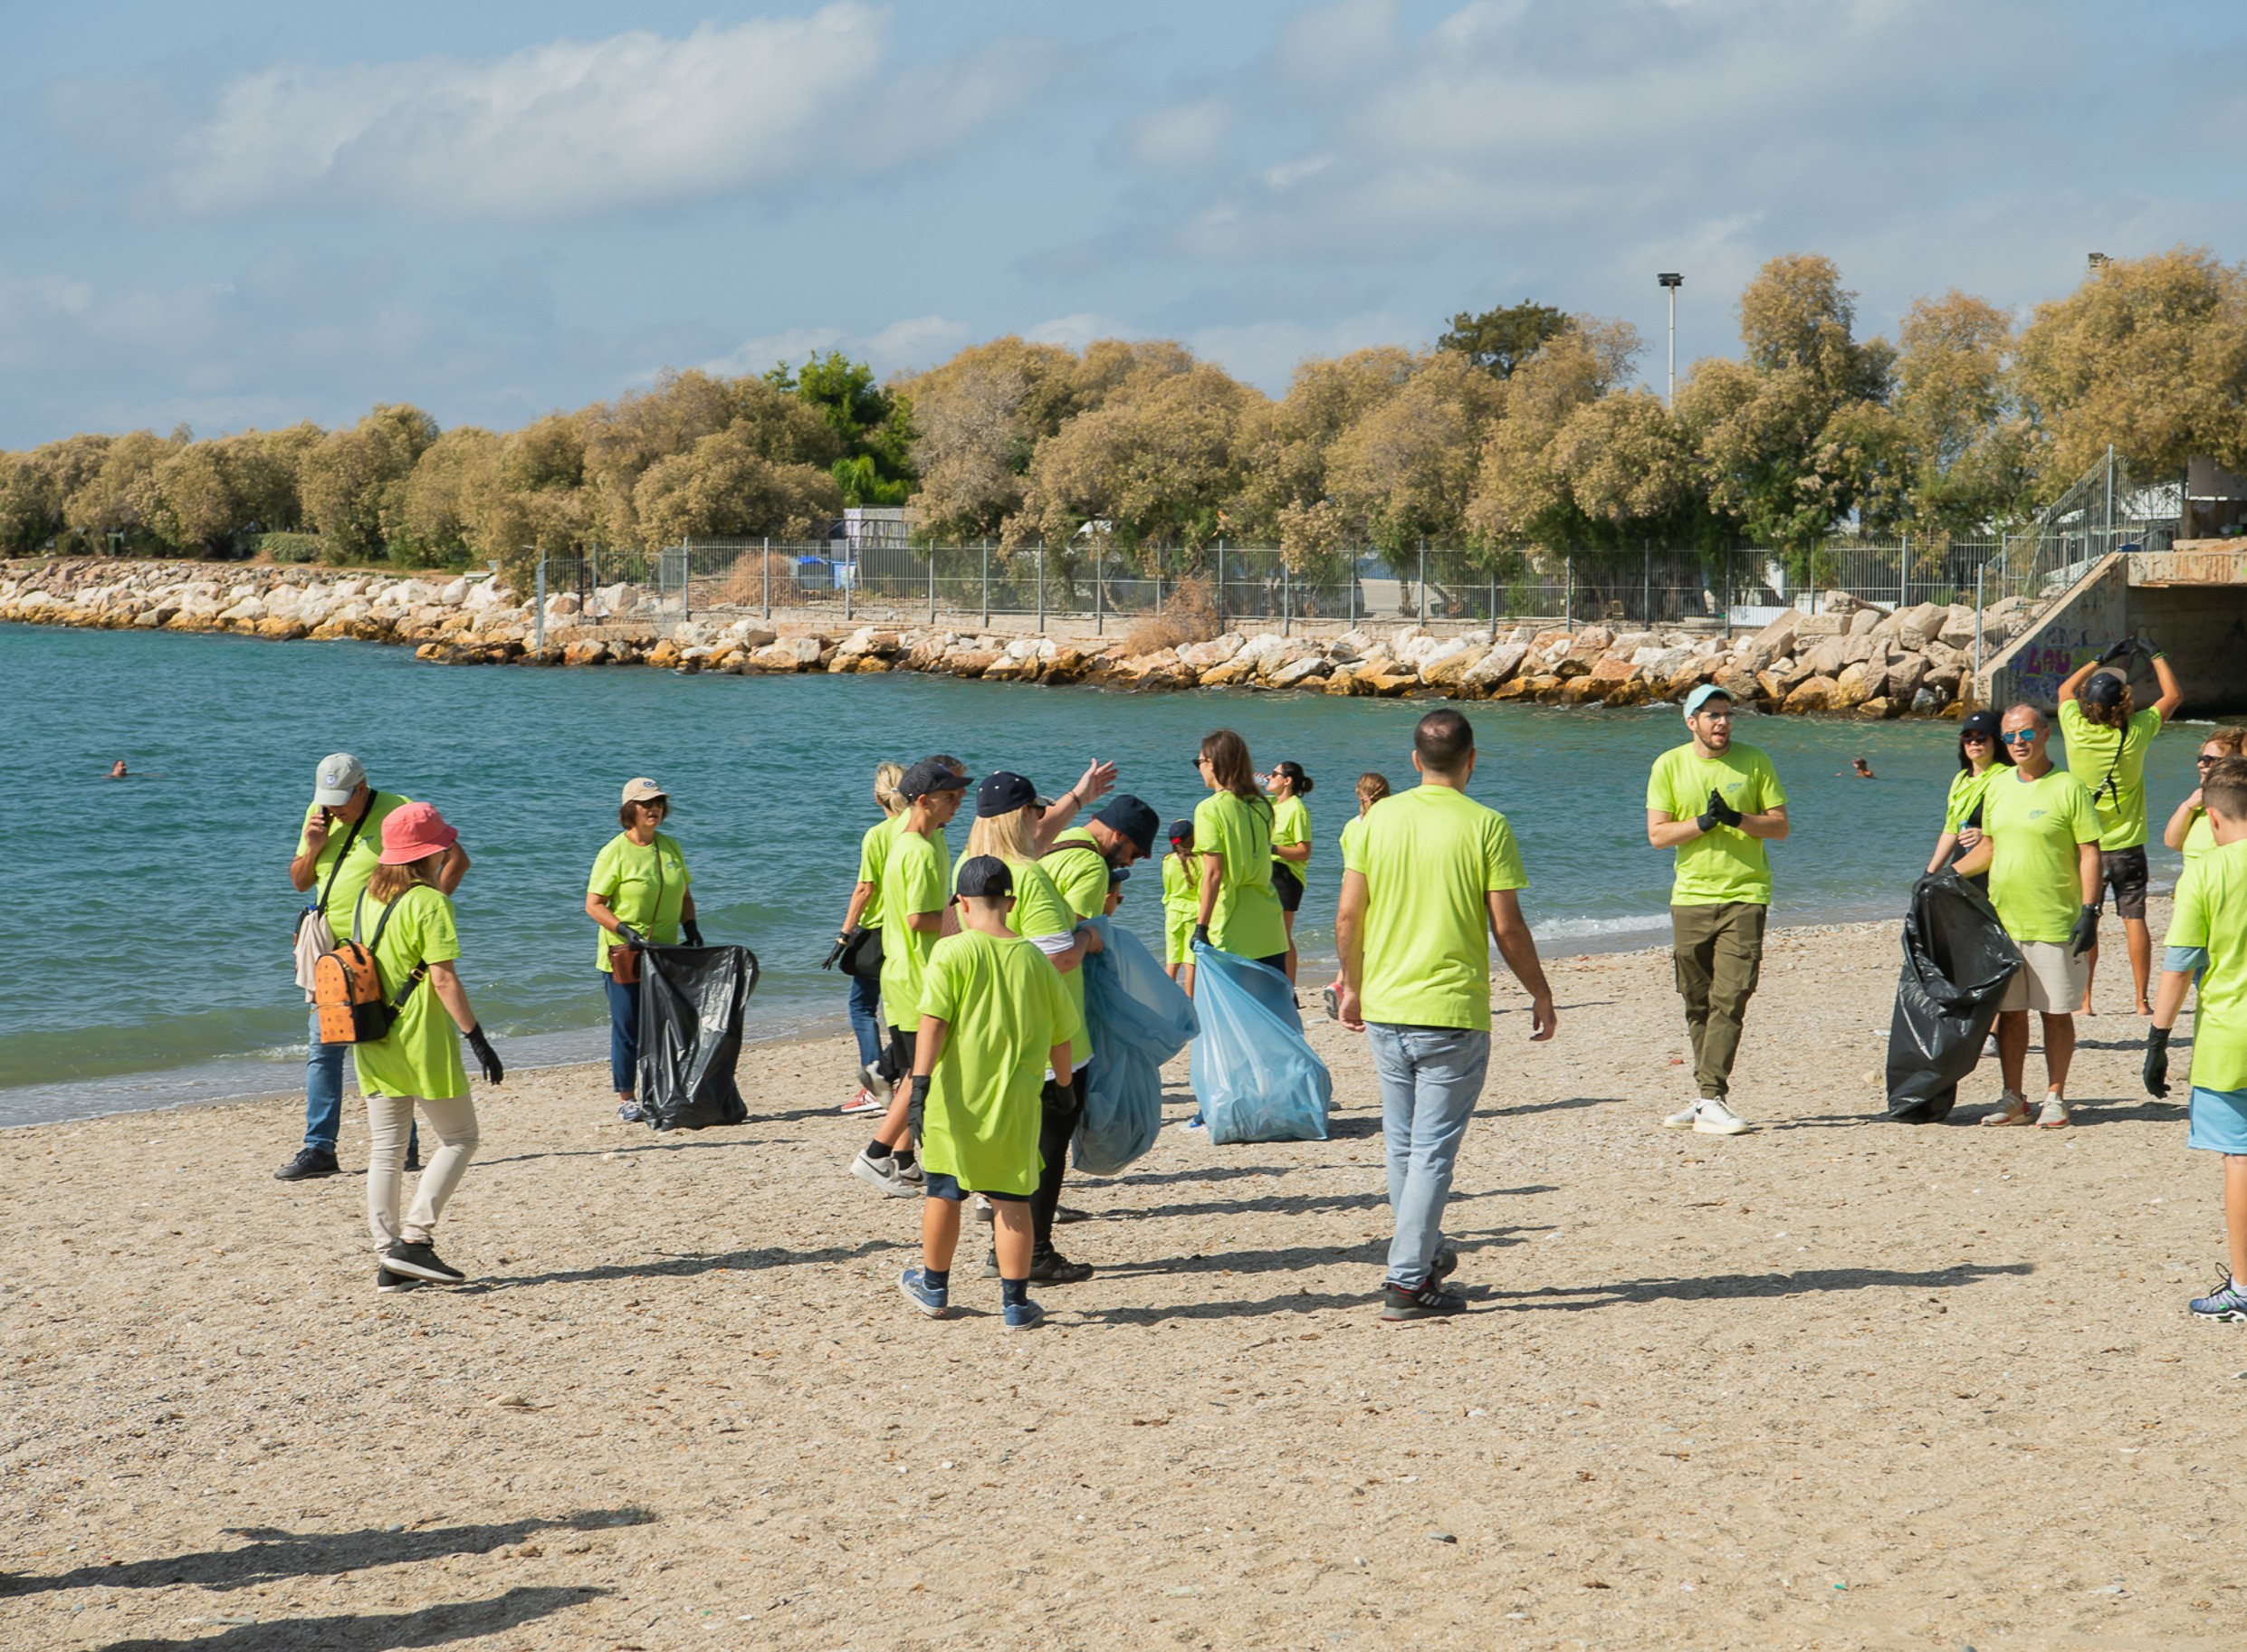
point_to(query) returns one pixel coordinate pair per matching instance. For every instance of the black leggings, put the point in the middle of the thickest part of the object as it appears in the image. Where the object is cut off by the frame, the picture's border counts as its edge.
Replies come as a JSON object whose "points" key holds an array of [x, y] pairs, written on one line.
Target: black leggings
{"points": [[1063, 1106]]}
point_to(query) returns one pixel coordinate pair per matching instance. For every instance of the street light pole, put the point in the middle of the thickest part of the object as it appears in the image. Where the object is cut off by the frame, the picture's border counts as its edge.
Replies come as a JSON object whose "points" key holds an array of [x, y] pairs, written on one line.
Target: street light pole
{"points": [[1670, 283]]}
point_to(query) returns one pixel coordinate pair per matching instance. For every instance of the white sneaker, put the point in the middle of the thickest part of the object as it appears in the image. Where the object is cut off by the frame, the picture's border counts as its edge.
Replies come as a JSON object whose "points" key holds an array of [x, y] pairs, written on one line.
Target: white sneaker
{"points": [[1713, 1118], [1683, 1118], [876, 1085], [881, 1174], [2054, 1113]]}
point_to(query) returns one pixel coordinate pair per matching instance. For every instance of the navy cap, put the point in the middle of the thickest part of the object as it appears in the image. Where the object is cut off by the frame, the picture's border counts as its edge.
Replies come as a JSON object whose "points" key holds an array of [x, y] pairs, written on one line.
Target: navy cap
{"points": [[1003, 793], [986, 876], [1119, 875], [2104, 688], [926, 775], [1181, 830], [1135, 820], [1985, 724]]}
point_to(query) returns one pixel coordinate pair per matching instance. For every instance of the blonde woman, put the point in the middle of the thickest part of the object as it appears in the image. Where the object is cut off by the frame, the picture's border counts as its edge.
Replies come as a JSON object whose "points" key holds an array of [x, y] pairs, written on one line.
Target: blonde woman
{"points": [[1007, 825], [2187, 831], [1371, 788], [865, 912], [406, 921]]}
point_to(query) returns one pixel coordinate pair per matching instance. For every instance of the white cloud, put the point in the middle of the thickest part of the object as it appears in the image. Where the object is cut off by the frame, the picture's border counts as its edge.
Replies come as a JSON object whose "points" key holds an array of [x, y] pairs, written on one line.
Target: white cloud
{"points": [[1182, 136], [1079, 330], [570, 127], [917, 341], [1333, 43]]}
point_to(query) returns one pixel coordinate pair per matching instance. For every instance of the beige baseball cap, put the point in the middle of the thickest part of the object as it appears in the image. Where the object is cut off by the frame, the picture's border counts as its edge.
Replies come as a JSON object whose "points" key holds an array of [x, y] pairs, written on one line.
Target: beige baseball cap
{"points": [[644, 790]]}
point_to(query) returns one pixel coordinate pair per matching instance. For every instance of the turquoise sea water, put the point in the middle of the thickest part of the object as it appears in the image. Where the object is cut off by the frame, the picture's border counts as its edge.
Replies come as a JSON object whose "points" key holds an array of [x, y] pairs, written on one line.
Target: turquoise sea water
{"points": [[147, 956]]}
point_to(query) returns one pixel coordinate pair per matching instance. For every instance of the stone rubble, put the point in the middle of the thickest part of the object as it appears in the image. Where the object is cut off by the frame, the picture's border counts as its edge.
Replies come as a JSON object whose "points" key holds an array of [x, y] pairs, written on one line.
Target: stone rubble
{"points": [[1849, 657]]}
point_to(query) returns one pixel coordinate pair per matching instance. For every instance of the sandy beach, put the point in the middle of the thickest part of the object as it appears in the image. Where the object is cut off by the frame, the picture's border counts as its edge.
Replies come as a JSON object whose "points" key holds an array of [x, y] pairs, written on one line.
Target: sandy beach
{"points": [[1835, 1384]]}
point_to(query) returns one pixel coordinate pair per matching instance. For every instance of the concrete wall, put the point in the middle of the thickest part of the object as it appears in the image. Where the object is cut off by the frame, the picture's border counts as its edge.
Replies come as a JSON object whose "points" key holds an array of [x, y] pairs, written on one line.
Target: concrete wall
{"points": [[2203, 627]]}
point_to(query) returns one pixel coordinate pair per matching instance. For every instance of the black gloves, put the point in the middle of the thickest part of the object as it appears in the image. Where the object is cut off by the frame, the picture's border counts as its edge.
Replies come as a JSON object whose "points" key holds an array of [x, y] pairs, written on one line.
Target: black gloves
{"points": [[2119, 651], [2085, 935], [693, 931], [487, 1057], [1719, 813], [836, 950], [917, 1104], [2156, 1061], [632, 936], [1202, 935]]}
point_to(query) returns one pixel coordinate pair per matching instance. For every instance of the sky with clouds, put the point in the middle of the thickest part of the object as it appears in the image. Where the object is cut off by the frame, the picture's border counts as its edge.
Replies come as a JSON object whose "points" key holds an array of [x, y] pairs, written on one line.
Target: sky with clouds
{"points": [[250, 213]]}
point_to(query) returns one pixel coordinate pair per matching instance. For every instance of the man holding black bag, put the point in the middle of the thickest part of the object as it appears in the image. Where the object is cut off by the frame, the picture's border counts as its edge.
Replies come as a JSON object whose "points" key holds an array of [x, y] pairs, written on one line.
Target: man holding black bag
{"points": [[339, 846]]}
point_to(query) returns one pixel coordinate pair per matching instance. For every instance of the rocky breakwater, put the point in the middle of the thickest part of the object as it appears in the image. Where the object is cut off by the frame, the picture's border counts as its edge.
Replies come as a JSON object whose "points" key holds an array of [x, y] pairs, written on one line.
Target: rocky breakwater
{"points": [[1849, 657]]}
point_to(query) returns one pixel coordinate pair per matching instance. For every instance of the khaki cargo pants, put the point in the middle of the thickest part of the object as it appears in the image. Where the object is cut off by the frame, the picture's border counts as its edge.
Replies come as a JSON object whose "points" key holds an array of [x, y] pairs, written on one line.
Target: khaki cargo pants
{"points": [[1719, 955]]}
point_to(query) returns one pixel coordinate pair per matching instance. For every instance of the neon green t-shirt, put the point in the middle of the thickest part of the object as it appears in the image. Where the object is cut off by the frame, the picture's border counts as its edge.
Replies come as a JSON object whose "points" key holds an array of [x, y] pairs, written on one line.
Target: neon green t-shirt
{"points": [[420, 1054], [2034, 828], [1291, 824], [1350, 830], [1181, 899], [2112, 764], [2199, 837], [1079, 871], [364, 857], [873, 850], [1039, 913], [1429, 857], [1246, 920], [1005, 1010], [912, 884], [1966, 790], [2212, 911], [1725, 864], [644, 885]]}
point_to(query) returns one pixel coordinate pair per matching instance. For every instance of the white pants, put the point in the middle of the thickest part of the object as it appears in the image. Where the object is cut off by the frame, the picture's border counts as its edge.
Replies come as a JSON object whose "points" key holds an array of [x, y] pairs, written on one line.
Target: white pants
{"points": [[388, 1118]]}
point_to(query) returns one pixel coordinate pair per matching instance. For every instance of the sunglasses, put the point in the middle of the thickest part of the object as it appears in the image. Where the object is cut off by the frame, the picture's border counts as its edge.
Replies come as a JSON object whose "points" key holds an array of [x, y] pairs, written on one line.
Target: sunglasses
{"points": [[1974, 737], [2203, 760], [2020, 736]]}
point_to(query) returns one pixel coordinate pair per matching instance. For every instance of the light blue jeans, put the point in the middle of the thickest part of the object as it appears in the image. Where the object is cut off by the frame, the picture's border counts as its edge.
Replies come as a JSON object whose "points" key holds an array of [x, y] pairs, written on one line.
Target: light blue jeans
{"points": [[323, 1090], [1430, 1079]]}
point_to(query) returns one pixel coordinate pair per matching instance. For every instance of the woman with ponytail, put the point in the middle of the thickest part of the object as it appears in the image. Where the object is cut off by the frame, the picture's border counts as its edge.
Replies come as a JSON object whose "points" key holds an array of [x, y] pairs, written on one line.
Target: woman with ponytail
{"points": [[1239, 910]]}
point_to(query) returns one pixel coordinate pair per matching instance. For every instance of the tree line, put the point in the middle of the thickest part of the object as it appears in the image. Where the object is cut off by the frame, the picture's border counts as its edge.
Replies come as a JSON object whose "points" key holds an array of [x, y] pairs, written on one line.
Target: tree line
{"points": [[1521, 430]]}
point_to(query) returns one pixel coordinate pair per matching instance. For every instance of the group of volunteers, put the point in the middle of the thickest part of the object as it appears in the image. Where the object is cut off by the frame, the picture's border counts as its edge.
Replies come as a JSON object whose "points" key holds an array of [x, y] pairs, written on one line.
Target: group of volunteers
{"points": [[976, 1054]]}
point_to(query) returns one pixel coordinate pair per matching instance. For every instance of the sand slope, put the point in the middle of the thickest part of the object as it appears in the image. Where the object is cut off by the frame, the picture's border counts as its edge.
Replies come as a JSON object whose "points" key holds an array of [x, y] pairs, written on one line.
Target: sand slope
{"points": [[1837, 1384]]}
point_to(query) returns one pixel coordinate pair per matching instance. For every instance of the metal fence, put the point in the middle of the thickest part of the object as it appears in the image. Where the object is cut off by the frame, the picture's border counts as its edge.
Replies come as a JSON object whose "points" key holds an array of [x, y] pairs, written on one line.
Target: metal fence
{"points": [[831, 582]]}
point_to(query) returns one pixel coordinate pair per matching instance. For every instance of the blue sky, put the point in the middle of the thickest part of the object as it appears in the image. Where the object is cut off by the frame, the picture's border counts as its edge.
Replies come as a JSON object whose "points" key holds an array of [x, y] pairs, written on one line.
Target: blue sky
{"points": [[249, 214]]}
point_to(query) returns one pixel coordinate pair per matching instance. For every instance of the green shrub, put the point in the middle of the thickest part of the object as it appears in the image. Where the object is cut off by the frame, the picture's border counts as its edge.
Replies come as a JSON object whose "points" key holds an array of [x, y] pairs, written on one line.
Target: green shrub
{"points": [[291, 547]]}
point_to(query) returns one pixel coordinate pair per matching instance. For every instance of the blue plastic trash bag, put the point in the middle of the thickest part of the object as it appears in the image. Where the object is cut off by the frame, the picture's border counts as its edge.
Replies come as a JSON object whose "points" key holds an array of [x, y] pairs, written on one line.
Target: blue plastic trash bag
{"points": [[1138, 1019], [1252, 1072]]}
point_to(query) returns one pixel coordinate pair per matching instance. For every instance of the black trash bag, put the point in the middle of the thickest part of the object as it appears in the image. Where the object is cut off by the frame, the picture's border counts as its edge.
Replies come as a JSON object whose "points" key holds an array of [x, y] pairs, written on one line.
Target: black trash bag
{"points": [[691, 1004], [1957, 963]]}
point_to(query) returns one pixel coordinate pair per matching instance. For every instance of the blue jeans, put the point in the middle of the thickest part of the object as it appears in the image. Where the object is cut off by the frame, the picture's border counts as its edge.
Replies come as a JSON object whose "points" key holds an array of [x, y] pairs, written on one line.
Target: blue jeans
{"points": [[323, 1090], [623, 1035], [323, 1094], [1430, 1078], [865, 1019]]}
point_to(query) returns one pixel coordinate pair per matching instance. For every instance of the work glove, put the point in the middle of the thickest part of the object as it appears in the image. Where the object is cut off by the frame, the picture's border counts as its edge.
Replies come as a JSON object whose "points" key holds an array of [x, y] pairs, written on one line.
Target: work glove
{"points": [[2119, 651], [1719, 813], [487, 1057], [917, 1104], [2156, 1061], [632, 936], [2085, 935], [693, 931], [1202, 935]]}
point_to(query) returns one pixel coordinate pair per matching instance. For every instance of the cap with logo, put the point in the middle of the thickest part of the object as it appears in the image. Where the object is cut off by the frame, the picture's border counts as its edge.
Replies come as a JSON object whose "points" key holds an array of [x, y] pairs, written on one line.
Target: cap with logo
{"points": [[641, 789], [984, 876], [1135, 820], [926, 775], [337, 777], [1181, 830], [1985, 724], [1002, 793]]}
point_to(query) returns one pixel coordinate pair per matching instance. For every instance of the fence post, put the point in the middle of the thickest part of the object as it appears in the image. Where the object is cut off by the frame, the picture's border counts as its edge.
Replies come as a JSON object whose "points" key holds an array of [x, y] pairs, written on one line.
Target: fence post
{"points": [[1041, 589], [1221, 585], [850, 581], [1903, 572], [537, 612], [1286, 602], [1978, 572], [986, 585], [1645, 597], [931, 582], [2107, 544], [1423, 582], [767, 558], [1568, 588], [1493, 615], [1099, 620], [1351, 578], [686, 579]]}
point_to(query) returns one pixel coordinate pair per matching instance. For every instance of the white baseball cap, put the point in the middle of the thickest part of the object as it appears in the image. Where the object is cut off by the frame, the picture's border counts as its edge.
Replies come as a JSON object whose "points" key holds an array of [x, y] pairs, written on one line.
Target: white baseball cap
{"points": [[644, 790], [337, 776]]}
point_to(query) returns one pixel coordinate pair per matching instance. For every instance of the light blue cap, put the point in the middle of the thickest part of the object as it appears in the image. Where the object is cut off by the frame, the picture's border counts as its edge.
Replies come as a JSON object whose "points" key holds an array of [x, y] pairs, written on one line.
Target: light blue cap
{"points": [[1703, 694]]}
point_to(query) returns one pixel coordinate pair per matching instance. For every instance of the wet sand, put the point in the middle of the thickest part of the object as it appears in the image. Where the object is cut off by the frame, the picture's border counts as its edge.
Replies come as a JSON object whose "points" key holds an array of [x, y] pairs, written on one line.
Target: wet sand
{"points": [[1836, 1384]]}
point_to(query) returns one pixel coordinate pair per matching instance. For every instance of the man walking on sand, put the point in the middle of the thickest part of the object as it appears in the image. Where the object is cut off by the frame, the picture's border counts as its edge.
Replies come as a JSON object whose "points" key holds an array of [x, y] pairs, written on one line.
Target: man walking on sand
{"points": [[1716, 803], [2039, 845], [1427, 876]]}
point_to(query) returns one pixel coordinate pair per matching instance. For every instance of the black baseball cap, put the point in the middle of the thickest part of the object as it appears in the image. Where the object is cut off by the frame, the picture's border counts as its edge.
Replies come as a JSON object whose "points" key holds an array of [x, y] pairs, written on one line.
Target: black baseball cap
{"points": [[1985, 724], [985, 876], [1182, 829], [1002, 793], [1135, 820], [1119, 875], [2104, 688], [926, 775]]}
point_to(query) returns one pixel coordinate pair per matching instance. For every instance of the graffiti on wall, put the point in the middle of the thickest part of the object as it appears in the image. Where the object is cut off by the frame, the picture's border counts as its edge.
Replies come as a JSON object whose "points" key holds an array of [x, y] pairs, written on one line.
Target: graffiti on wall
{"points": [[2056, 653]]}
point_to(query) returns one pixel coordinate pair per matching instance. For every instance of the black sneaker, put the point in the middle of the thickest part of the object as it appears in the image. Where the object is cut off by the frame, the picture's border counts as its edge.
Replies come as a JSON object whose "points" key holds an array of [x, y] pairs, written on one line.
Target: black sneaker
{"points": [[1065, 1215], [1431, 1301], [413, 1159], [1054, 1268], [420, 1261], [388, 1281], [308, 1163]]}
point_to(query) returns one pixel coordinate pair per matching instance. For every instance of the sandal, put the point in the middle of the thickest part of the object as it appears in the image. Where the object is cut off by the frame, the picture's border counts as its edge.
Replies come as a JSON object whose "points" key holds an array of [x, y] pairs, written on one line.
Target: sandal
{"points": [[2016, 1112]]}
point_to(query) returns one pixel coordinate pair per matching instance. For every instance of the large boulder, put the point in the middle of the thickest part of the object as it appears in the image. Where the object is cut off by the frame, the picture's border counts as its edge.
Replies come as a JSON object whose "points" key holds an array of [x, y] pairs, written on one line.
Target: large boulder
{"points": [[1812, 695], [1918, 626], [1856, 683], [1957, 631], [1298, 674], [1494, 668], [1820, 626], [1905, 676], [1226, 674]]}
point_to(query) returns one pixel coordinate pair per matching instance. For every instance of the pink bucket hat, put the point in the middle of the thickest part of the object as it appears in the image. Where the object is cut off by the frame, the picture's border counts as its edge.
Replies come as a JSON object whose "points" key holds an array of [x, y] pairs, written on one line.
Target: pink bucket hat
{"points": [[414, 833]]}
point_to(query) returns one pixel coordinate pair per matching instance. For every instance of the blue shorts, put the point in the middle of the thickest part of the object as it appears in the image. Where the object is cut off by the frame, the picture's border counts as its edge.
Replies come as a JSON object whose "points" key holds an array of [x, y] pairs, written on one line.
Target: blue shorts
{"points": [[2219, 1120], [941, 1185]]}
